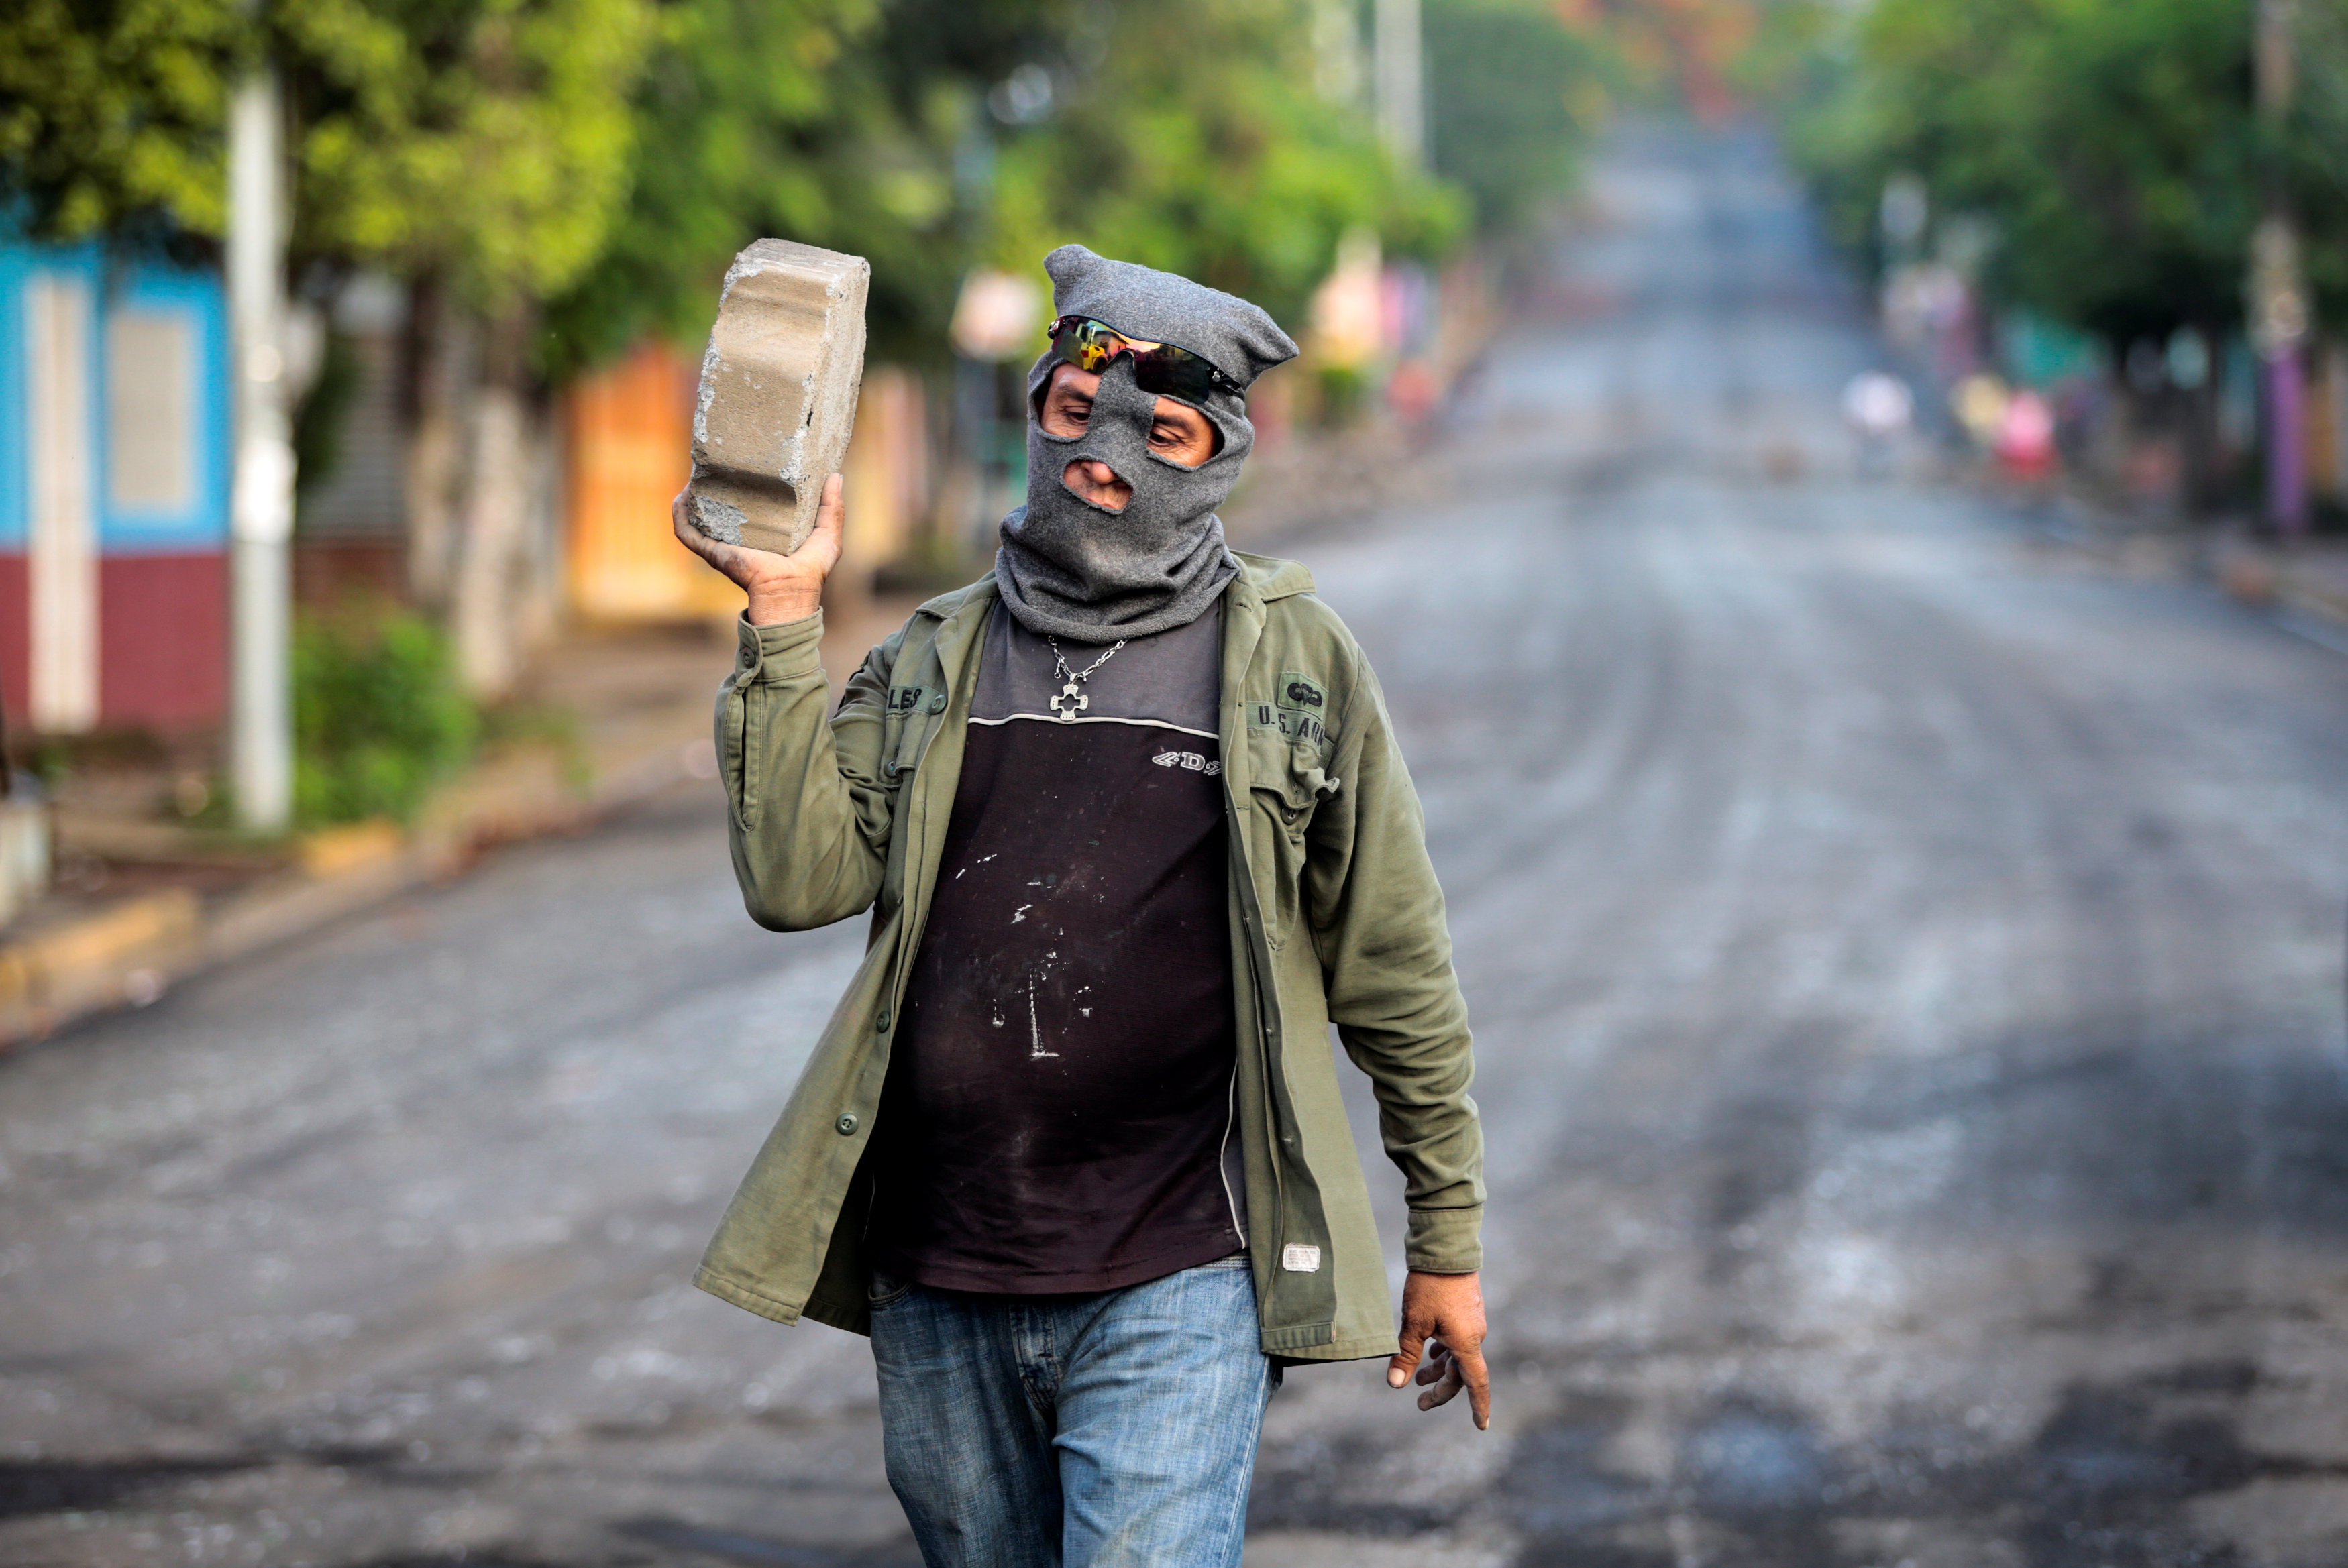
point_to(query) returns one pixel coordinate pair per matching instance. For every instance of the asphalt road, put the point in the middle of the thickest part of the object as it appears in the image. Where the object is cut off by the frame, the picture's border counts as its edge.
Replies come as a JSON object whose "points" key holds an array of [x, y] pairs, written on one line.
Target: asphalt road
{"points": [[1906, 953]]}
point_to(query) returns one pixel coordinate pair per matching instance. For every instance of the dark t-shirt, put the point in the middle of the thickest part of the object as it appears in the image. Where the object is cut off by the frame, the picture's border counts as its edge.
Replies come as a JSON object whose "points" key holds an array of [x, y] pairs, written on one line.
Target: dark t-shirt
{"points": [[1060, 1110]]}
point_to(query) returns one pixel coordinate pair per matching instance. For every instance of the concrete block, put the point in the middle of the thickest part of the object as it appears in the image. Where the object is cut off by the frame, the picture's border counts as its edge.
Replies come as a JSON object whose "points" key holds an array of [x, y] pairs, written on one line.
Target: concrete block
{"points": [[778, 392]]}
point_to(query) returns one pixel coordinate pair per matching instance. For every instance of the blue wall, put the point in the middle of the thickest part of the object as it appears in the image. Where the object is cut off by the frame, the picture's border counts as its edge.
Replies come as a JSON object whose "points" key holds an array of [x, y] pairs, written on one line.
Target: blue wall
{"points": [[16, 264]]}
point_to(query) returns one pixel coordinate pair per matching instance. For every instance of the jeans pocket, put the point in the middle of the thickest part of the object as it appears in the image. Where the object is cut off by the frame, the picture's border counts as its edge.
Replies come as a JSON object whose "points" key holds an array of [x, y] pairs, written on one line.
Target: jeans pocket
{"points": [[885, 1290]]}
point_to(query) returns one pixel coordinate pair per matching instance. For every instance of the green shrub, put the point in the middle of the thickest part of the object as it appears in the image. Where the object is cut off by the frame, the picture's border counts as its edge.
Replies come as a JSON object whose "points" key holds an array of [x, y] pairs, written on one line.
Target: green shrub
{"points": [[378, 718]]}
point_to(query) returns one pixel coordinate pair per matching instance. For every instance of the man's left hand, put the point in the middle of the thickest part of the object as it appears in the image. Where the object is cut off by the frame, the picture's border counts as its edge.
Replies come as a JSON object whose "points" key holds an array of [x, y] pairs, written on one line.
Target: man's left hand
{"points": [[1443, 1317]]}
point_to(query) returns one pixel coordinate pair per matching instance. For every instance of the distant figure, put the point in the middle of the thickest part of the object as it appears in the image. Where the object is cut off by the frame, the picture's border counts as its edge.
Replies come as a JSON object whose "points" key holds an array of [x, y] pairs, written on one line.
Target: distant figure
{"points": [[1134, 830], [2026, 436], [1411, 391], [1978, 402], [1879, 407]]}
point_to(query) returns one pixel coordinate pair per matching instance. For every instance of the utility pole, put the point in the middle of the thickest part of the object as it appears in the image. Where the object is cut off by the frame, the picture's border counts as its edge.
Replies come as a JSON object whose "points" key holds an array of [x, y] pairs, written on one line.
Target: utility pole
{"points": [[1337, 52], [261, 497], [2278, 287], [1401, 82]]}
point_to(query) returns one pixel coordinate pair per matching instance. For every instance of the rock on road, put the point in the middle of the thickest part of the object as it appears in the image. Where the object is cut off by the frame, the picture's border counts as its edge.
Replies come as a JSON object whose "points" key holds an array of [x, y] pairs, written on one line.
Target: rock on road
{"points": [[1906, 956]]}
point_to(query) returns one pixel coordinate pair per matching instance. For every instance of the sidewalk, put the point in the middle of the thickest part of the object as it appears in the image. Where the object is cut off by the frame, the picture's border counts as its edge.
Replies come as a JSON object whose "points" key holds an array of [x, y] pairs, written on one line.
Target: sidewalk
{"points": [[143, 901], [2308, 580], [2302, 583]]}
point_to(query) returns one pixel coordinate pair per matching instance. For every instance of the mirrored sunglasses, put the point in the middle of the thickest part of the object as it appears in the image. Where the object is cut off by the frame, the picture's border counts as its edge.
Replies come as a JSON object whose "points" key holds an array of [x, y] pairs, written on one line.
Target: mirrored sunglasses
{"points": [[1158, 367]]}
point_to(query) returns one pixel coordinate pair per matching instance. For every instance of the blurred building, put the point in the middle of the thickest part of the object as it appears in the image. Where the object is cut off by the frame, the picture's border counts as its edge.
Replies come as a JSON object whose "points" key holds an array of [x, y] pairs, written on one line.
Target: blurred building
{"points": [[115, 466], [350, 535], [628, 432], [114, 476]]}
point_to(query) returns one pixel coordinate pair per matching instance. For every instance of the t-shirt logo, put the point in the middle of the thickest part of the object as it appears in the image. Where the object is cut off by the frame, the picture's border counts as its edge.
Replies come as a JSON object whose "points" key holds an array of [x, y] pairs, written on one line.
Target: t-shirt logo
{"points": [[1189, 761]]}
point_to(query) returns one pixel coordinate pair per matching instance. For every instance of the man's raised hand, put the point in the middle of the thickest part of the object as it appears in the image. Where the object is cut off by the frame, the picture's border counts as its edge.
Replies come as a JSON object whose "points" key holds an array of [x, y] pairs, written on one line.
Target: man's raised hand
{"points": [[1443, 1316], [781, 587]]}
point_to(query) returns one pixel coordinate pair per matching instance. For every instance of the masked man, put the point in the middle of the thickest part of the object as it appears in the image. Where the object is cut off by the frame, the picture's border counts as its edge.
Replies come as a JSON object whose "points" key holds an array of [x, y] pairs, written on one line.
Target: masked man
{"points": [[1130, 819]]}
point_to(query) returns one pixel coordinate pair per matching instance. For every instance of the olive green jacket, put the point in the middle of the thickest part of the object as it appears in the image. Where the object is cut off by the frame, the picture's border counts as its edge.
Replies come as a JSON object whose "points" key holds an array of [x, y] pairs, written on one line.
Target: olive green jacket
{"points": [[1335, 917]]}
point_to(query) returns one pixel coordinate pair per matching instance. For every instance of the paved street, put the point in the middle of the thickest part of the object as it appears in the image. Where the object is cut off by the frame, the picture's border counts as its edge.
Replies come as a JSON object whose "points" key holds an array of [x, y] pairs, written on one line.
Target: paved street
{"points": [[1906, 954]]}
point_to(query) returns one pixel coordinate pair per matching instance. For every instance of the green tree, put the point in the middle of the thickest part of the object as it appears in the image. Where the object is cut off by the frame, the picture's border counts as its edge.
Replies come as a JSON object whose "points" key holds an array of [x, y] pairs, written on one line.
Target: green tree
{"points": [[731, 112], [1180, 138], [2316, 152], [481, 148], [1194, 145], [485, 141], [1511, 92], [2114, 146], [2110, 142], [112, 115]]}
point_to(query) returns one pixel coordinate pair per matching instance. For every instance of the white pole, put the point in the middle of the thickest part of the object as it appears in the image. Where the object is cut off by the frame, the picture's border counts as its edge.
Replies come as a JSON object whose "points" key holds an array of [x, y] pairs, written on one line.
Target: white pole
{"points": [[1402, 117], [1337, 51], [261, 502]]}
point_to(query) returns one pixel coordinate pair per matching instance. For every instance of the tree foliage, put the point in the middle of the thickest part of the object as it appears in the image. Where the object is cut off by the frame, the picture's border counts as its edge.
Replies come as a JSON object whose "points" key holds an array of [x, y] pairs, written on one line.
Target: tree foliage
{"points": [[731, 113], [1194, 144], [932, 137], [2317, 151], [1511, 92], [2113, 145], [488, 141], [112, 115], [603, 159]]}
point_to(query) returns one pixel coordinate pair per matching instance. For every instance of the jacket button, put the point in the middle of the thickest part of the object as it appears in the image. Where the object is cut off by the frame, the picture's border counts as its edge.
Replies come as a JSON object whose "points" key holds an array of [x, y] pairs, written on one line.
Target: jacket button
{"points": [[847, 1122], [938, 704], [881, 1023]]}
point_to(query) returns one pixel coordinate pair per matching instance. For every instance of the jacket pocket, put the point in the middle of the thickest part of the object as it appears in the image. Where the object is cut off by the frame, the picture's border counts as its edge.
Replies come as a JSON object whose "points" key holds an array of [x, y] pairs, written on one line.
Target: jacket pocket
{"points": [[1287, 784], [915, 713], [903, 753]]}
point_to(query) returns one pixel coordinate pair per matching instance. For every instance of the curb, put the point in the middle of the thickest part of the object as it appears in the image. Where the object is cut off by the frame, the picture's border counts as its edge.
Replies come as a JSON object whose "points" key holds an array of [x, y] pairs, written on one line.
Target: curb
{"points": [[119, 954], [2299, 588], [128, 952], [2273, 582]]}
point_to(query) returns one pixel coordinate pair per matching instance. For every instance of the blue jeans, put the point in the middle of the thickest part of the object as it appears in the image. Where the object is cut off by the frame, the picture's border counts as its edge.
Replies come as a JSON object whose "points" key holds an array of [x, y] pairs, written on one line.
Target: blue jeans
{"points": [[1109, 1431]]}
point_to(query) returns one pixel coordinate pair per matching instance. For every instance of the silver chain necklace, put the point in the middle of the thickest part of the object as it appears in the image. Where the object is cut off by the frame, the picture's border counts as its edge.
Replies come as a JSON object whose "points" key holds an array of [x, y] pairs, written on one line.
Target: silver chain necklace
{"points": [[1068, 692]]}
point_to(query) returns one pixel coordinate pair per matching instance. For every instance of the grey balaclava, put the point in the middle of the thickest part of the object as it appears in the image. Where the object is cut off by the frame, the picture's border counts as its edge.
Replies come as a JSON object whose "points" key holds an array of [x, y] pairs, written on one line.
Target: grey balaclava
{"points": [[1070, 568]]}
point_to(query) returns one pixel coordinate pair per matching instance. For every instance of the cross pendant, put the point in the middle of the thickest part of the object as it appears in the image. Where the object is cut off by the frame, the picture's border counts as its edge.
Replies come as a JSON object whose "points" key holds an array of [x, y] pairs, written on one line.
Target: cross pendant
{"points": [[1068, 695]]}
